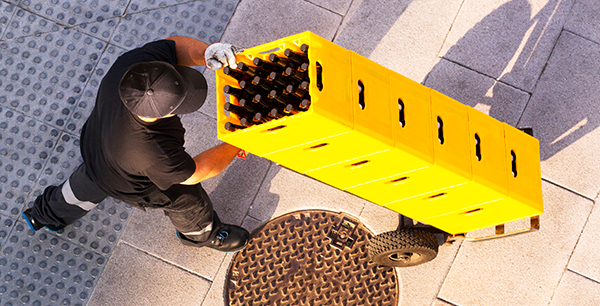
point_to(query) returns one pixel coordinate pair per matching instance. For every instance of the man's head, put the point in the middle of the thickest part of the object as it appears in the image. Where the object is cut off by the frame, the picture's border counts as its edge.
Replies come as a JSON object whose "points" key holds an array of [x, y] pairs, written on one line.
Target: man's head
{"points": [[159, 89]]}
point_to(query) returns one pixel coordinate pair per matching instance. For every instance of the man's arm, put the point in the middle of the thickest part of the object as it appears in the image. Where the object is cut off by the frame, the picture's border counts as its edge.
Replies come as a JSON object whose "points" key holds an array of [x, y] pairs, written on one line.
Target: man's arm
{"points": [[211, 162], [189, 51]]}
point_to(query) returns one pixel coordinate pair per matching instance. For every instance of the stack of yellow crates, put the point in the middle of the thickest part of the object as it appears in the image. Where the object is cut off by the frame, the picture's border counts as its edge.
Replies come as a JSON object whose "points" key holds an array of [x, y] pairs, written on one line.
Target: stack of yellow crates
{"points": [[383, 137]]}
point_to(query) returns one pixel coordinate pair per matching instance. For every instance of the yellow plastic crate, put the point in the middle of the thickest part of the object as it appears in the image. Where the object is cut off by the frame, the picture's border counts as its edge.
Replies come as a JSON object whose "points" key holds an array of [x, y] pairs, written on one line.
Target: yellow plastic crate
{"points": [[383, 137]]}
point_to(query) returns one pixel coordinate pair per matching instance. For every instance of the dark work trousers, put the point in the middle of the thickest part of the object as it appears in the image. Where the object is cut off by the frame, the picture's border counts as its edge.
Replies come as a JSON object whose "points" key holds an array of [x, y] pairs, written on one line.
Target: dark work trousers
{"points": [[188, 206]]}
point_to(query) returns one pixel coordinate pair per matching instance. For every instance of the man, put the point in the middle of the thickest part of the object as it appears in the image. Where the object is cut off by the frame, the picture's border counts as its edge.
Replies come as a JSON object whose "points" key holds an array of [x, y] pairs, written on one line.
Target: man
{"points": [[132, 146]]}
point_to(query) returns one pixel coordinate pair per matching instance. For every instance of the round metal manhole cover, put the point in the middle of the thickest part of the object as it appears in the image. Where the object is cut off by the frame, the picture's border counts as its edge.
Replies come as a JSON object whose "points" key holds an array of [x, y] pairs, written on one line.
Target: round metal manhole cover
{"points": [[310, 258]]}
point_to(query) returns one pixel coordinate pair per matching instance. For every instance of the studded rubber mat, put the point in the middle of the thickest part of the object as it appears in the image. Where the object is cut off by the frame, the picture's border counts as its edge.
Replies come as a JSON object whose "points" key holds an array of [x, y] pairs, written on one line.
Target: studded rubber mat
{"points": [[310, 258]]}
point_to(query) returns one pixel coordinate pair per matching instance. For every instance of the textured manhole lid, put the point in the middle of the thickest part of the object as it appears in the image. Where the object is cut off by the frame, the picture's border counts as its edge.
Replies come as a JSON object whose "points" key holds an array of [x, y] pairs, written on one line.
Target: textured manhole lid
{"points": [[310, 258]]}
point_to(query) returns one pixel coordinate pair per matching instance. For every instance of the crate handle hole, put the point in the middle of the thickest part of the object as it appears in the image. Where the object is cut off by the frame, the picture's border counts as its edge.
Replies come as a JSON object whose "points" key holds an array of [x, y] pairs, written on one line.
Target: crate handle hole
{"points": [[398, 180], [319, 76], [436, 196], [401, 119], [360, 163], [440, 130], [277, 128], [471, 211], [361, 94], [477, 147], [318, 146], [513, 158]]}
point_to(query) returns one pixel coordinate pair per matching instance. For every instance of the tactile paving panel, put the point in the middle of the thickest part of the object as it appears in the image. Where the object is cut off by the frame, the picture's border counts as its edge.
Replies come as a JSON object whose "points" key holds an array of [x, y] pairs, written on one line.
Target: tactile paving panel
{"points": [[144, 5], [100, 29], [26, 23], [102, 227], [86, 103], [37, 268], [7, 10], [203, 20], [26, 145], [291, 261], [43, 76], [73, 12]]}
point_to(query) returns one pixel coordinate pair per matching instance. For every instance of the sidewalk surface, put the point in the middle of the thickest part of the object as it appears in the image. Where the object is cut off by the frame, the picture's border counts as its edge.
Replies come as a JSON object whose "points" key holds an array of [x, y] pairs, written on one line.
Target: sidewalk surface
{"points": [[529, 63]]}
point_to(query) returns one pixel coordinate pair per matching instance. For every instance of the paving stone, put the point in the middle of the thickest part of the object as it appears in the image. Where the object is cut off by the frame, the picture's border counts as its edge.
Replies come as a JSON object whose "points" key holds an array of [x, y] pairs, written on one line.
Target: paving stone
{"points": [[507, 40], [134, 278], [575, 289], [38, 268], [523, 269], [25, 23], [284, 191], [200, 20], [73, 12], [563, 112], [496, 99], [252, 224], [210, 105], [585, 259], [151, 231], [421, 284], [26, 147], [47, 73], [215, 295], [6, 226], [84, 106], [340, 7], [439, 302], [409, 43], [378, 218], [7, 11], [255, 22], [584, 19]]}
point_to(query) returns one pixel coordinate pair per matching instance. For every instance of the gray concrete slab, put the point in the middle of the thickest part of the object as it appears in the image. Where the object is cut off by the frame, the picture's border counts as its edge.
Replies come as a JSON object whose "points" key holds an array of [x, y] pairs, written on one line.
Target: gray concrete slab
{"points": [[575, 289], [520, 270], [261, 21], [584, 20], [421, 284], [411, 45], [485, 94], [563, 112], [378, 218], [132, 277], [216, 295], [152, 232], [369, 23], [509, 40], [338, 6], [210, 105], [285, 191], [585, 259]]}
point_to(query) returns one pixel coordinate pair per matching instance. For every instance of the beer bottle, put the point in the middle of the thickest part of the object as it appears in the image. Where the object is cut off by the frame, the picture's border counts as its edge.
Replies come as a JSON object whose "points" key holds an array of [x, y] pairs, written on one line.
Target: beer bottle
{"points": [[304, 49], [234, 73], [304, 85], [267, 66], [251, 89], [294, 108], [301, 93], [283, 99], [303, 68], [250, 106], [281, 61], [296, 57], [251, 71], [293, 74], [261, 100], [263, 83], [236, 92], [233, 127], [278, 112], [245, 122], [239, 111], [260, 118]]}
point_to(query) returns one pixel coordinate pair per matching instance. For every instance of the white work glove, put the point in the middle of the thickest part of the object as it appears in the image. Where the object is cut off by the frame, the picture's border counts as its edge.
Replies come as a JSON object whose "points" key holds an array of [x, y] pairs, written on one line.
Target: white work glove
{"points": [[219, 55]]}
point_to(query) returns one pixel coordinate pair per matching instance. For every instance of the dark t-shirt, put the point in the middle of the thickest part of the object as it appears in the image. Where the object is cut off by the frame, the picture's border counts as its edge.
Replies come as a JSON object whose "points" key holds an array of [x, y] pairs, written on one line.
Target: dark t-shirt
{"points": [[127, 157]]}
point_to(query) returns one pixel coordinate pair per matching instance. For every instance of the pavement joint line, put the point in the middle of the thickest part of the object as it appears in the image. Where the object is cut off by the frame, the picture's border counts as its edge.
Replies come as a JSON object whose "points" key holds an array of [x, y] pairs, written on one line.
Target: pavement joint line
{"points": [[581, 36], [256, 194], [446, 301], [448, 32], [317, 5], [567, 189], [585, 276], [212, 283], [337, 31], [489, 76], [437, 294], [166, 261]]}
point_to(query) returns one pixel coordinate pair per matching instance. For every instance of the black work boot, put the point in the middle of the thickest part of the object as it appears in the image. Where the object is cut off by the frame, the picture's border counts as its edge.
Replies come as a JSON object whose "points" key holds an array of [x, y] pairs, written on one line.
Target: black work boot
{"points": [[225, 238], [35, 225]]}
